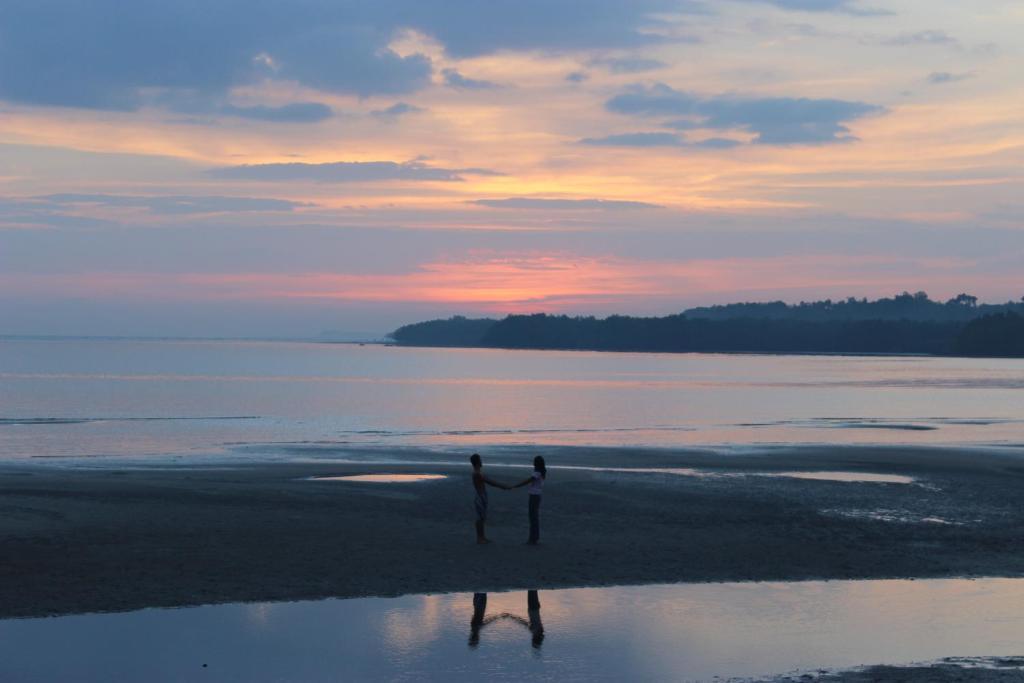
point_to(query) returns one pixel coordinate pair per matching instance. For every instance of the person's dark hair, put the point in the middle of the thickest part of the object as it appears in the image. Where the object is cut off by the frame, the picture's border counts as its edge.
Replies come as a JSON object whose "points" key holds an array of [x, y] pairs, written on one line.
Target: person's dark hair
{"points": [[539, 466], [475, 460]]}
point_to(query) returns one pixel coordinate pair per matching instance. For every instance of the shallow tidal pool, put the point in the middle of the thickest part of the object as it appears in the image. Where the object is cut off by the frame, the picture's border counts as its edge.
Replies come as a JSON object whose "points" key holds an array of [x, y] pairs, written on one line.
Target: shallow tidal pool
{"points": [[659, 632]]}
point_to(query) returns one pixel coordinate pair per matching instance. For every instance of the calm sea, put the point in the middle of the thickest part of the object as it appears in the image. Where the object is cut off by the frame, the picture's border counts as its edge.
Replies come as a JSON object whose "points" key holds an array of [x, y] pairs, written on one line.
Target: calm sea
{"points": [[87, 398]]}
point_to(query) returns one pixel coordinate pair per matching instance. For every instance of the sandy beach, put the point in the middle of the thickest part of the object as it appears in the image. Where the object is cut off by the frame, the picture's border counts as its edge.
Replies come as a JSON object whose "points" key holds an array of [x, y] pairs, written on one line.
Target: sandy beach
{"points": [[76, 540]]}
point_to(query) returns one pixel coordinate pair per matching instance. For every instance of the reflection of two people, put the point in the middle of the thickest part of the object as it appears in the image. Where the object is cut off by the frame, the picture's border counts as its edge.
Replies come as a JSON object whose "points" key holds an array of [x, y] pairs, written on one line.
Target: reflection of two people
{"points": [[532, 624]]}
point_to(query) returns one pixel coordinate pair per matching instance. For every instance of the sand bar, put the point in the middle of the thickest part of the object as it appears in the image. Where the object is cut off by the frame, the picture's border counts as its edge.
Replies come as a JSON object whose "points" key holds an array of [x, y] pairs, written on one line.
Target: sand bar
{"points": [[76, 540]]}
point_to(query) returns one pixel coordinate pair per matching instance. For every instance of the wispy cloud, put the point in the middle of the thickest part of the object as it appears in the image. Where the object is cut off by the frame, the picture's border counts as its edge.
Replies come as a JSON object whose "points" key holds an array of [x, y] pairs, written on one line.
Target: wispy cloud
{"points": [[297, 112], [548, 204], [840, 6], [943, 77], [928, 37], [773, 120], [644, 139], [176, 204], [396, 110], [454, 79], [629, 65], [348, 172]]}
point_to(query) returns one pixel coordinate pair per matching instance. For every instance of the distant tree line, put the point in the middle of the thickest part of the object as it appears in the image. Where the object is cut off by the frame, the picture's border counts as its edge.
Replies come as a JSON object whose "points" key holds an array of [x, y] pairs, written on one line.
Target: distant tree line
{"points": [[896, 325], [905, 306], [1000, 334]]}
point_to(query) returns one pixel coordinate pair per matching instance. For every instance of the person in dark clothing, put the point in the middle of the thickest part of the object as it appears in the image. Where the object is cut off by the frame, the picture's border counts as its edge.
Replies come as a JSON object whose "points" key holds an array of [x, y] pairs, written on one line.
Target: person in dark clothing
{"points": [[536, 483]]}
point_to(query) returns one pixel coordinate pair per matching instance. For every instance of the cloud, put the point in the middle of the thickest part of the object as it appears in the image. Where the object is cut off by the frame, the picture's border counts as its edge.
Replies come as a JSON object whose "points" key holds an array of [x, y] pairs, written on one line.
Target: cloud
{"points": [[773, 120], [942, 77], [20, 214], [108, 54], [396, 110], [469, 28], [563, 204], [113, 55], [930, 37], [629, 65], [718, 143], [297, 112], [176, 205], [347, 172], [636, 140], [840, 6], [454, 79], [349, 59], [659, 140], [205, 107]]}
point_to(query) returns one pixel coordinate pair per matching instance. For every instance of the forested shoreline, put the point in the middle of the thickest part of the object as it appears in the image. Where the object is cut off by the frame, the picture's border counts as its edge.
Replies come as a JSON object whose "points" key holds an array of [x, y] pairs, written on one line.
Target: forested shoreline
{"points": [[905, 324]]}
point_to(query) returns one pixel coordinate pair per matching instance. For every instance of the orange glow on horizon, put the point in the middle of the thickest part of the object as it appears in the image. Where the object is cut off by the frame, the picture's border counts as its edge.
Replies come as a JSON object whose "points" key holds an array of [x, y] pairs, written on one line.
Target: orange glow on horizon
{"points": [[529, 282]]}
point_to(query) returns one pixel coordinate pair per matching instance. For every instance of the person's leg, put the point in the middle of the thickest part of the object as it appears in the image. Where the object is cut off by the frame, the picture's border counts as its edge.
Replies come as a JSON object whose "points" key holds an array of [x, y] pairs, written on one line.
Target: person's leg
{"points": [[534, 519], [479, 608], [536, 625], [481, 518]]}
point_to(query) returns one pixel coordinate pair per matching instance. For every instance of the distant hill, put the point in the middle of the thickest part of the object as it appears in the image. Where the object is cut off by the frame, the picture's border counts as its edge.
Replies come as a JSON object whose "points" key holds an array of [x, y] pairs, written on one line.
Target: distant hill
{"points": [[907, 323]]}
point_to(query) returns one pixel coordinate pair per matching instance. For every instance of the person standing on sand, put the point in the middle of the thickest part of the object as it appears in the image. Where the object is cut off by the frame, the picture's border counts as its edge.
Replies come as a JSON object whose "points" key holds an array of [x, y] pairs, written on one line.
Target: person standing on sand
{"points": [[536, 483], [480, 482]]}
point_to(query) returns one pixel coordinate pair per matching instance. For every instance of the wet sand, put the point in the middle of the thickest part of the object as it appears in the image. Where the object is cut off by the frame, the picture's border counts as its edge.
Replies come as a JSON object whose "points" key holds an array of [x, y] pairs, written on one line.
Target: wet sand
{"points": [[977, 670], [76, 540]]}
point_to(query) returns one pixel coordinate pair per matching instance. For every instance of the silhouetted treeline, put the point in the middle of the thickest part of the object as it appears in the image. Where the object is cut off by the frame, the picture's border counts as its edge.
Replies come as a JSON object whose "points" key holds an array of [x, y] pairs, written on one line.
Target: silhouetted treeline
{"points": [[905, 306], [999, 334], [457, 331], [682, 333]]}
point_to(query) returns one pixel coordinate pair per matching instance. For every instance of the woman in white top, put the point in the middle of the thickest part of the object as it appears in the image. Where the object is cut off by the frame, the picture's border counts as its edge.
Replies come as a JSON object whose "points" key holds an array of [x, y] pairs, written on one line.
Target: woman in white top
{"points": [[536, 483]]}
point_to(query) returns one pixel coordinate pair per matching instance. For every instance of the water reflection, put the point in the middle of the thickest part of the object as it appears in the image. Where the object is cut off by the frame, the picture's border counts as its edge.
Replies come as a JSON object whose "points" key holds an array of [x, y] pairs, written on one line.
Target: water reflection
{"points": [[532, 623], [667, 632]]}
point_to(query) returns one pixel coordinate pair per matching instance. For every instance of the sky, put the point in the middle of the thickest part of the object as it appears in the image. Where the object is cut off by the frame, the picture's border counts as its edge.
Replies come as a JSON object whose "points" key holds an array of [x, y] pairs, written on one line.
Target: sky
{"points": [[277, 169]]}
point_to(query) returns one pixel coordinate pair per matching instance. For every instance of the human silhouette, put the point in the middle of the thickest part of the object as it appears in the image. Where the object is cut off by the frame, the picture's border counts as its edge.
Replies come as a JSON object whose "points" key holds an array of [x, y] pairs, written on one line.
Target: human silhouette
{"points": [[536, 483], [533, 624], [477, 622], [480, 482], [536, 626]]}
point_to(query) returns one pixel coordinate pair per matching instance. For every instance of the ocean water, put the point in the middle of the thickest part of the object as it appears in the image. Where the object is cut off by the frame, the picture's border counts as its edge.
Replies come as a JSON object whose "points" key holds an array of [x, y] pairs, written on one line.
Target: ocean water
{"points": [[72, 398], [636, 633]]}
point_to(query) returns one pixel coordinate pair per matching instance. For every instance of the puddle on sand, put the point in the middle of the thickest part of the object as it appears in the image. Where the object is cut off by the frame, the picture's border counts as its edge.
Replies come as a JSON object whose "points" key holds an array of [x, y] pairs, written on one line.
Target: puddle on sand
{"points": [[851, 477], [383, 478], [663, 632]]}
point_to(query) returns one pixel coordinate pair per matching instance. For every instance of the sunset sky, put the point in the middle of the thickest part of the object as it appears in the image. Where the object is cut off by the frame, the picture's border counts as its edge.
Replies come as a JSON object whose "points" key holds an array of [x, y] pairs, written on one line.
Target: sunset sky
{"points": [[262, 168]]}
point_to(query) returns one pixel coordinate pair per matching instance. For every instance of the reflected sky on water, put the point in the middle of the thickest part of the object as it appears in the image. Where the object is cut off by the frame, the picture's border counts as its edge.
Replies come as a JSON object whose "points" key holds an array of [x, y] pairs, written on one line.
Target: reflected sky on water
{"points": [[664, 632]]}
